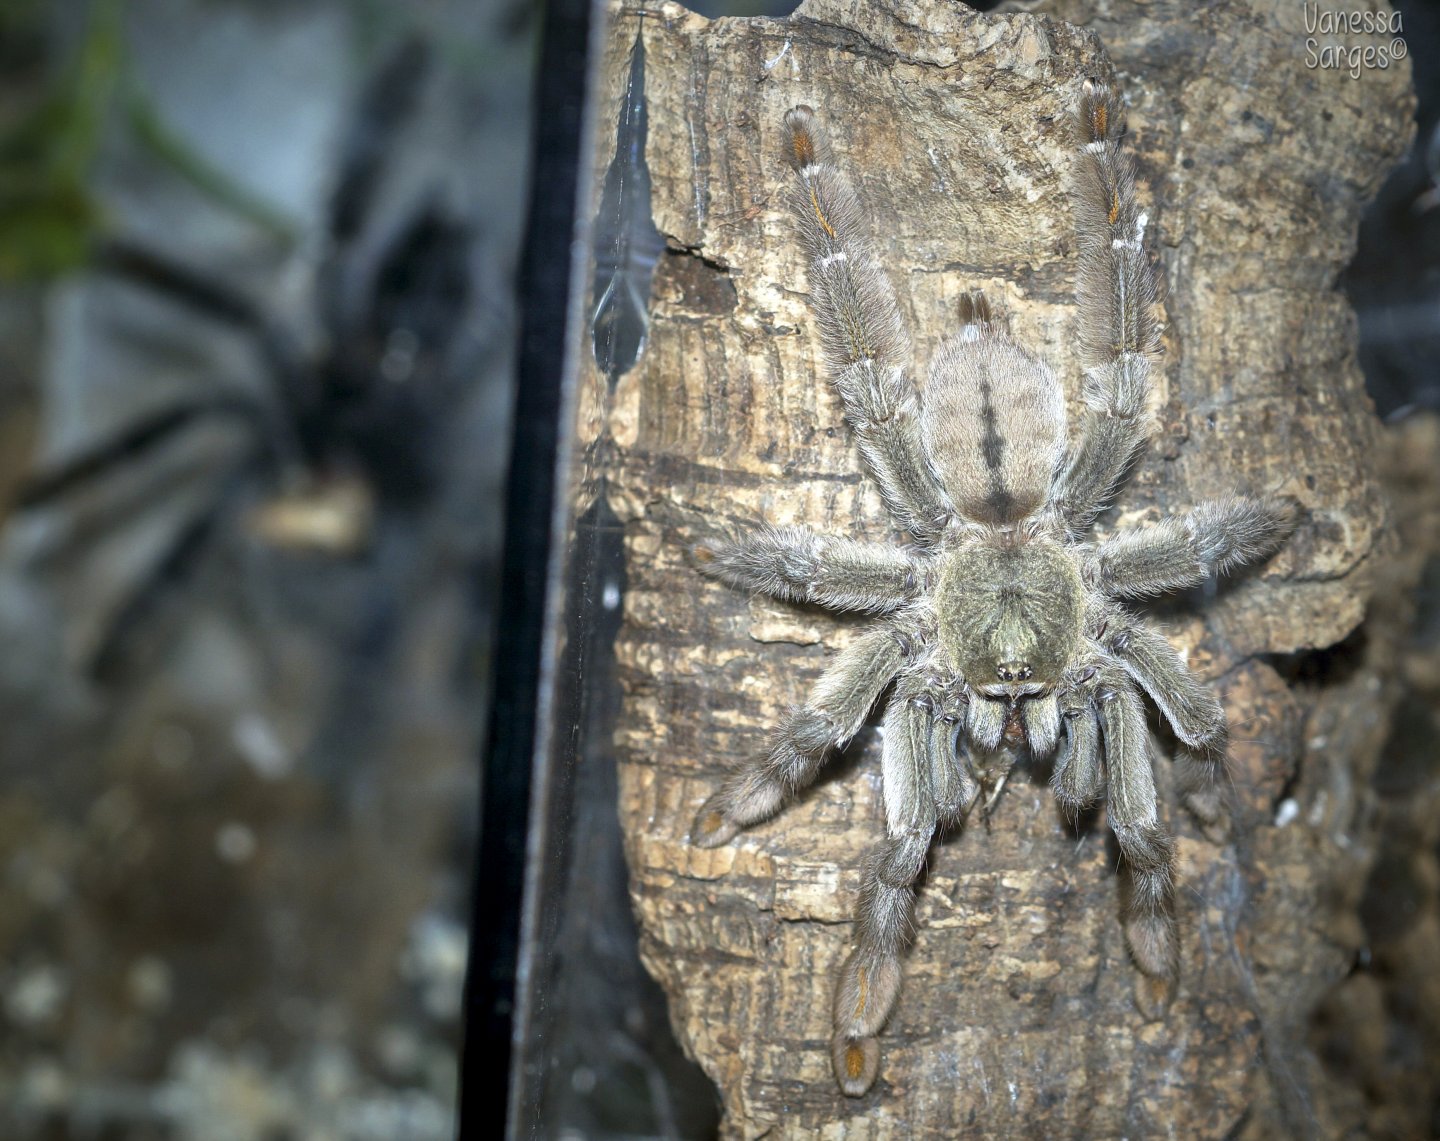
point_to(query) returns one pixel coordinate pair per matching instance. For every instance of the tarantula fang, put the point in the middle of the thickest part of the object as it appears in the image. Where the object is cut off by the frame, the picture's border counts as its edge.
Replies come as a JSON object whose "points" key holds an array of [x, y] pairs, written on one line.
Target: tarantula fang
{"points": [[1001, 628]]}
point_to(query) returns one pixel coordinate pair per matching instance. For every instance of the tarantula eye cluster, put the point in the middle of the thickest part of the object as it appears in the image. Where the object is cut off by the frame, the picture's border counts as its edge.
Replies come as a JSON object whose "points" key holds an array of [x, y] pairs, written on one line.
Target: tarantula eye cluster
{"points": [[1001, 630]]}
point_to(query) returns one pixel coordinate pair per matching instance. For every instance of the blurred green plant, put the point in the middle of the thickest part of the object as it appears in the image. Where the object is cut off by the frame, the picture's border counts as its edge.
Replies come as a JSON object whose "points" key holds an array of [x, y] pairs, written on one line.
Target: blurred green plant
{"points": [[50, 214], [47, 212]]}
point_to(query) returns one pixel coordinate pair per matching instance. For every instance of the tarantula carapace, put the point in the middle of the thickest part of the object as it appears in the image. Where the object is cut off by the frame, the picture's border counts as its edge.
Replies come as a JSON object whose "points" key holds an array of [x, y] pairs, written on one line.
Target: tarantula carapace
{"points": [[1003, 632]]}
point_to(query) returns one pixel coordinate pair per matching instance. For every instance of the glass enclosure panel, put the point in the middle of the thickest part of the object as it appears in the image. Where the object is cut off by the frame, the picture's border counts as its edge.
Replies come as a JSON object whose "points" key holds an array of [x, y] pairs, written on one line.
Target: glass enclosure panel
{"points": [[593, 1054], [256, 334]]}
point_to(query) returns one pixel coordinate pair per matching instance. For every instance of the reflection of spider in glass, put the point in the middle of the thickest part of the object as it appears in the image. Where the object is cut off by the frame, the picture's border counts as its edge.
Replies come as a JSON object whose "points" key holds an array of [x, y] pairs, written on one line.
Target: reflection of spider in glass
{"points": [[1003, 630], [341, 436]]}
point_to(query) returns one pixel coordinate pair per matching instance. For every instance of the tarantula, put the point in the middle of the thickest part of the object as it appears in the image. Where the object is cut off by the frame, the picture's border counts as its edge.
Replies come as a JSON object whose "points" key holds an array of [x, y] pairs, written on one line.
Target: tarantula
{"points": [[1002, 628]]}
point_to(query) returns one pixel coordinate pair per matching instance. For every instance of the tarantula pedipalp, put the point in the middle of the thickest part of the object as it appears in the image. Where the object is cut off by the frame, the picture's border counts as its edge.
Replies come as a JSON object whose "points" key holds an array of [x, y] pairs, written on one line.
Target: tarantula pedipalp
{"points": [[1002, 630]]}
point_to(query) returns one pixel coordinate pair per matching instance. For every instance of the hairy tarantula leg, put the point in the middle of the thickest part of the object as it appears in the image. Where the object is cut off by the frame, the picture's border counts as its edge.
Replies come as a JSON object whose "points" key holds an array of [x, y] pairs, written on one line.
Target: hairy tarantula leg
{"points": [[869, 982], [145, 434], [1190, 707], [1148, 909], [797, 565], [115, 655], [866, 346], [952, 781], [1185, 550], [1079, 778], [1119, 335], [838, 706], [954, 785]]}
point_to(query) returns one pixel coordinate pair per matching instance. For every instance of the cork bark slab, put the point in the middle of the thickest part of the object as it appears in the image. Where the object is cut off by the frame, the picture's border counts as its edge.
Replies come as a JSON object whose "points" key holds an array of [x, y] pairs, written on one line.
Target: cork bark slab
{"points": [[1017, 1016]]}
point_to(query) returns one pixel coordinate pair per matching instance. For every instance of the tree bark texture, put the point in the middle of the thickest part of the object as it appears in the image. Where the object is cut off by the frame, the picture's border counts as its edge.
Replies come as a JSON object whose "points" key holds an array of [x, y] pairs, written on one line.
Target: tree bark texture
{"points": [[1018, 1016]]}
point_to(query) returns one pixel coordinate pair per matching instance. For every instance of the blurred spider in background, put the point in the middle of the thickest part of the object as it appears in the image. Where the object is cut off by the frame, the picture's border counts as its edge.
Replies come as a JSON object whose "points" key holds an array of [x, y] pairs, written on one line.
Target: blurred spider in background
{"points": [[245, 584], [346, 440]]}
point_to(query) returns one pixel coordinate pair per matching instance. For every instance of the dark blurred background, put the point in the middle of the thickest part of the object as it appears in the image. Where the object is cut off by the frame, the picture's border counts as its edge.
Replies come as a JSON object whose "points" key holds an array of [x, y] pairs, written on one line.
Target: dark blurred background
{"points": [[260, 310], [256, 326]]}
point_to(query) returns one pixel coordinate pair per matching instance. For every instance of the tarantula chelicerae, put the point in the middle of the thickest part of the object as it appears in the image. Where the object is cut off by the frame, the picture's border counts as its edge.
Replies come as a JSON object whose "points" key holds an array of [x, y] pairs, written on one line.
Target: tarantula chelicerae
{"points": [[1002, 631]]}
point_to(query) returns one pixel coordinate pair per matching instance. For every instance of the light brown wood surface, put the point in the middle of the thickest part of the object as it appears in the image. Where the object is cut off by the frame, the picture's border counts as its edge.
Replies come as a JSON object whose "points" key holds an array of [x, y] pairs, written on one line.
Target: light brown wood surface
{"points": [[1017, 1017]]}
